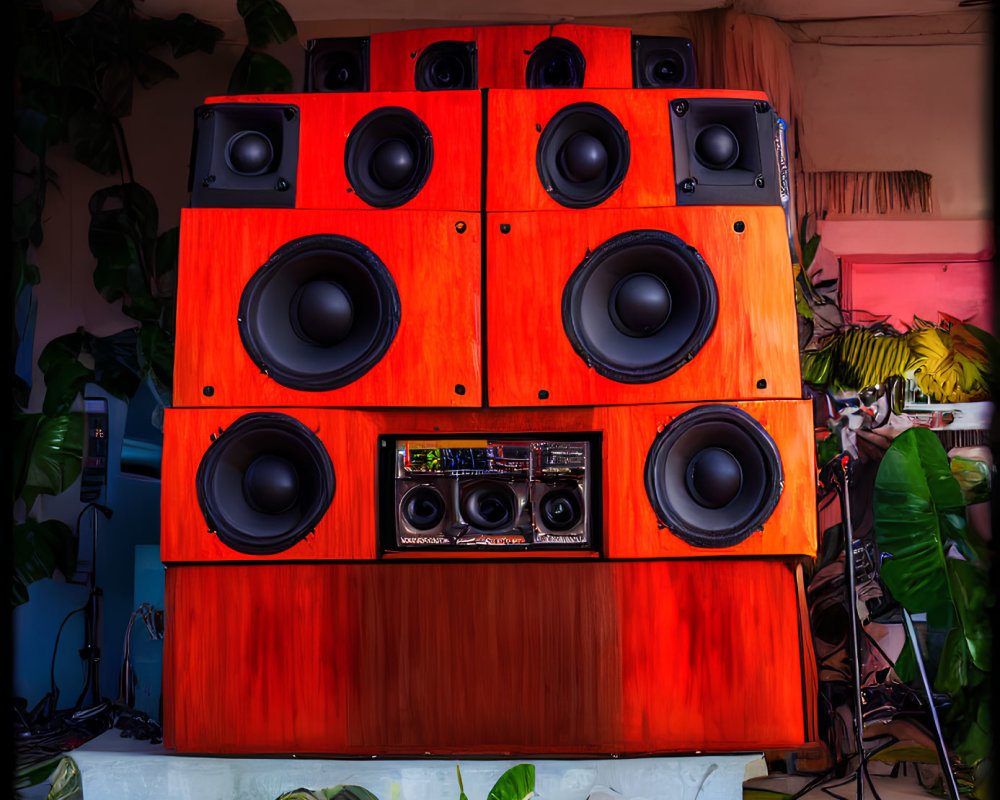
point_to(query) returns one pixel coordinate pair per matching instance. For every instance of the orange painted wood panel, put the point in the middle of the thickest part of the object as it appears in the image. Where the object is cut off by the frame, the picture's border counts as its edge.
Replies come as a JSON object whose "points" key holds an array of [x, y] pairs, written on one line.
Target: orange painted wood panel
{"points": [[327, 118], [504, 51], [347, 530], [755, 334], [575, 658], [517, 118], [633, 529], [437, 274], [393, 55]]}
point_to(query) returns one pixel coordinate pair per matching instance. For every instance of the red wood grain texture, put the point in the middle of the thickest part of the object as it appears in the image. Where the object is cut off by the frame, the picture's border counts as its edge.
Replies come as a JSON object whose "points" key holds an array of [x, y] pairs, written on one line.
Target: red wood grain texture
{"points": [[755, 334], [504, 51], [629, 525], [516, 120], [437, 274], [347, 531], [633, 530], [393, 55], [327, 118], [573, 658]]}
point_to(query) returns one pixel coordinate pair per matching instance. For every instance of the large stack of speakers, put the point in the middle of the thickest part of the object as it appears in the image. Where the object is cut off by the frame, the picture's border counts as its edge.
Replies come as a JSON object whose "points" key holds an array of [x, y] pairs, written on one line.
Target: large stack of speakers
{"points": [[487, 435]]}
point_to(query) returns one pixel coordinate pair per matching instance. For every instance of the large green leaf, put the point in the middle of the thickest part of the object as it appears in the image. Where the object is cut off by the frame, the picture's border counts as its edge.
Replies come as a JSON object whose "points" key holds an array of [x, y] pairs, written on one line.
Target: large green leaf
{"points": [[39, 549], [969, 583], [48, 454], [918, 507], [517, 783]]}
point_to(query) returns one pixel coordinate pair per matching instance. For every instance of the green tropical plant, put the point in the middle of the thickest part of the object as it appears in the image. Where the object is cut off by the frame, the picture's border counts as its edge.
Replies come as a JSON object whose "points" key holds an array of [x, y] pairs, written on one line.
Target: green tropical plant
{"points": [[937, 566], [75, 81]]}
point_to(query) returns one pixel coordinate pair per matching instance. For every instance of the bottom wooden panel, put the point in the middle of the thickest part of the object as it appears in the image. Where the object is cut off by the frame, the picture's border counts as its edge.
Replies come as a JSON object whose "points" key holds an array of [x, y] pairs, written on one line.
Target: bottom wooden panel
{"points": [[577, 657]]}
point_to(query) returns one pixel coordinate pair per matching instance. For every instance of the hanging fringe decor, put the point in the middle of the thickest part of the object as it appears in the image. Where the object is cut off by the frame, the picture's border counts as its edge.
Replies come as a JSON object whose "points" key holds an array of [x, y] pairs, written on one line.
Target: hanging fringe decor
{"points": [[867, 192]]}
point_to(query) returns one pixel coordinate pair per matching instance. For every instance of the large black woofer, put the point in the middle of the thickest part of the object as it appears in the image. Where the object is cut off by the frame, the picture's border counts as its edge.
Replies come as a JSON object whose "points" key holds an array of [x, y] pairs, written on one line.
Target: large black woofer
{"points": [[555, 63], [337, 64], [423, 507], [640, 306], [713, 476], [582, 155], [663, 62], [264, 483], [446, 65], [388, 156], [320, 313]]}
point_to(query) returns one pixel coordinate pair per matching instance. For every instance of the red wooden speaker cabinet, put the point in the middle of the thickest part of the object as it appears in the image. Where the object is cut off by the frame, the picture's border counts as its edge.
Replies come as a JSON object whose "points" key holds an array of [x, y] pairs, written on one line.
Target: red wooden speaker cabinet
{"points": [[418, 150], [648, 305], [633, 148], [671, 480], [306, 308], [576, 658]]}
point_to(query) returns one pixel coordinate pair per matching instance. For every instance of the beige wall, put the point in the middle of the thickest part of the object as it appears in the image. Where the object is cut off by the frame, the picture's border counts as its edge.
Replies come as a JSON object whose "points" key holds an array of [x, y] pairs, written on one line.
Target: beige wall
{"points": [[902, 108]]}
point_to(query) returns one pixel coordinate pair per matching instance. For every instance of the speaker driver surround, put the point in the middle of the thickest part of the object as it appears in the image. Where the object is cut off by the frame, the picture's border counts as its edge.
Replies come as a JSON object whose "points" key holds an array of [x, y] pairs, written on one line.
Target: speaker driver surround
{"points": [[264, 483], [713, 476], [320, 313], [388, 156], [582, 155], [640, 306]]}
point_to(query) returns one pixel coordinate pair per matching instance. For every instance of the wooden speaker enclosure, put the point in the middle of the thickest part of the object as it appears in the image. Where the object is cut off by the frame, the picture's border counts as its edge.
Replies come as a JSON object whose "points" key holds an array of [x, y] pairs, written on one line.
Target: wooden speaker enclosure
{"points": [[394, 54], [433, 257], [517, 119], [454, 120], [751, 352], [487, 658], [628, 525]]}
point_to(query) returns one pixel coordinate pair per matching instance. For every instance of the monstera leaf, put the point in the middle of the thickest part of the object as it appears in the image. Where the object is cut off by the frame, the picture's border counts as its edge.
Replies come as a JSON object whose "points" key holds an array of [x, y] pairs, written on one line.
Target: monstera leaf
{"points": [[517, 783], [933, 567]]}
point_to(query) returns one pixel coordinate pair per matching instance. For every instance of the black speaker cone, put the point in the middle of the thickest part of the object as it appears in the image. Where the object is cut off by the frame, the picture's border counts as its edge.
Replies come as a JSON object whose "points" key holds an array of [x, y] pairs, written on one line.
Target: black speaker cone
{"points": [[717, 147], [640, 306], [559, 510], [249, 153], [320, 313], [445, 66], [583, 155], [423, 508], [271, 484], [388, 157], [341, 72], [555, 63], [667, 71], [713, 476], [392, 164], [488, 506], [264, 483]]}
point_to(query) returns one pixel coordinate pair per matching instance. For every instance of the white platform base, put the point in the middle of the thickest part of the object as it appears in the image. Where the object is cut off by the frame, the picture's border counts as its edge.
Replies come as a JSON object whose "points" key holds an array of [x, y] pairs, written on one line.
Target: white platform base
{"points": [[113, 768]]}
